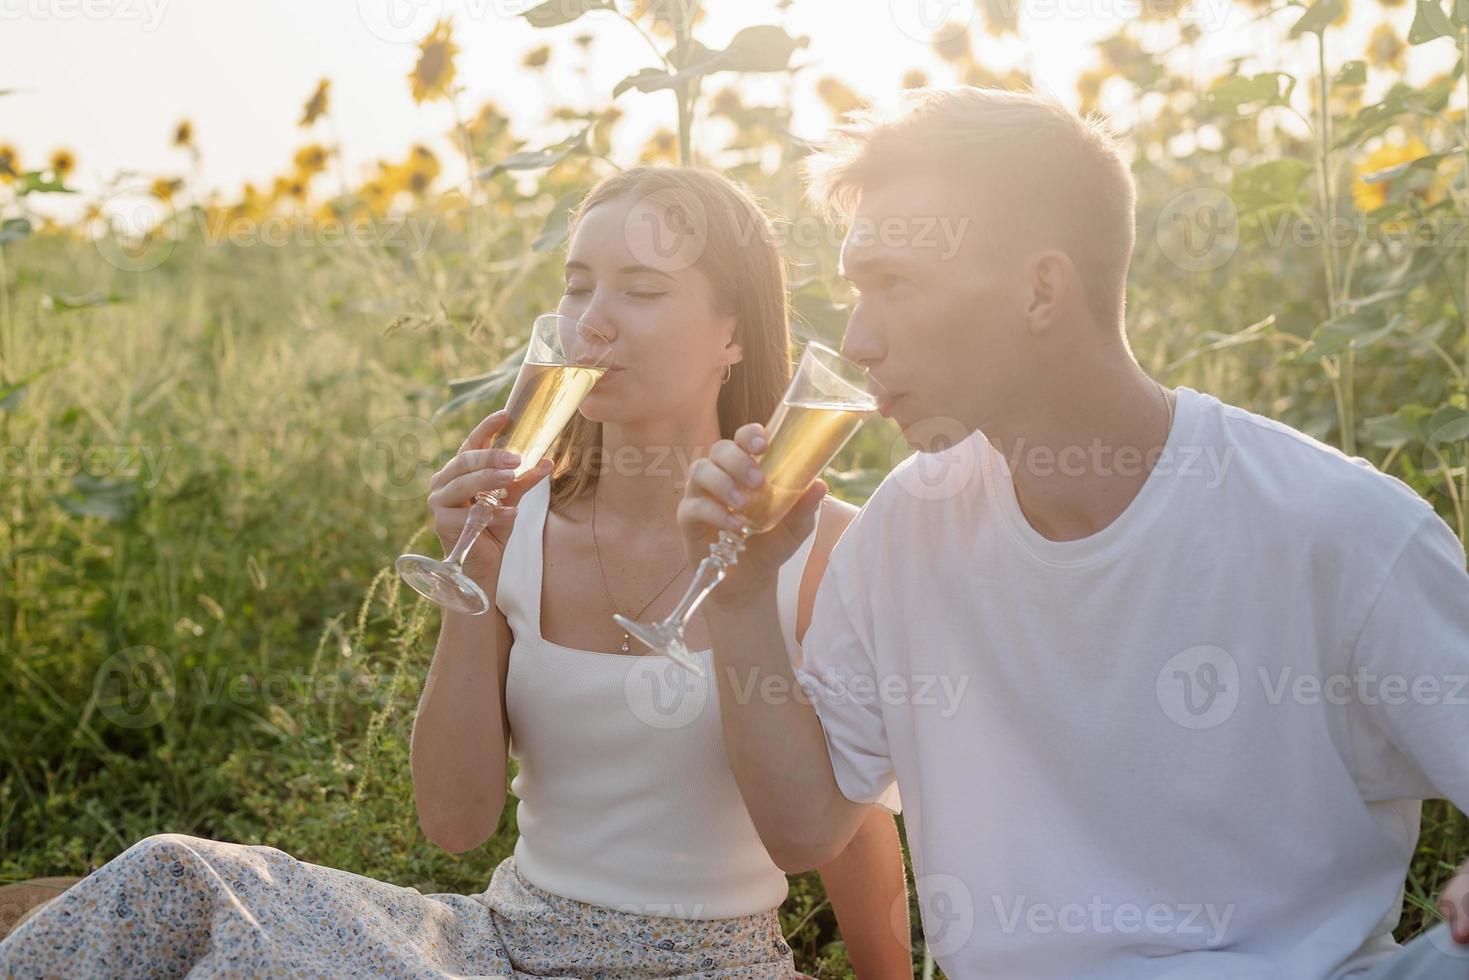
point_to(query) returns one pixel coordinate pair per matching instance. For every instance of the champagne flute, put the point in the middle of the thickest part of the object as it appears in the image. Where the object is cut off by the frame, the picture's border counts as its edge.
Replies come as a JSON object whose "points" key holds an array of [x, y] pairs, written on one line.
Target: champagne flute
{"points": [[563, 361], [826, 403]]}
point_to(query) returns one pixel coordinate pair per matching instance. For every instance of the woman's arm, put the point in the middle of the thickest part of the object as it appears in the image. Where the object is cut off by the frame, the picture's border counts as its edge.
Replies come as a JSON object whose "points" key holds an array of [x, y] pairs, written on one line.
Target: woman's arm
{"points": [[868, 888], [867, 883], [461, 733]]}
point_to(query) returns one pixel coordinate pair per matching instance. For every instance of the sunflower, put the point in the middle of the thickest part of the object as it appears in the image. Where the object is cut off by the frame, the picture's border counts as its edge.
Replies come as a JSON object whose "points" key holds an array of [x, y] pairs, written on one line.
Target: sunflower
{"points": [[183, 134], [662, 147], [63, 162], [164, 188], [317, 105], [1369, 197], [1001, 17], [838, 97], [376, 195], [288, 188], [434, 73], [1089, 86], [9, 163], [951, 42], [537, 57], [1385, 49], [422, 160], [311, 159], [914, 78]]}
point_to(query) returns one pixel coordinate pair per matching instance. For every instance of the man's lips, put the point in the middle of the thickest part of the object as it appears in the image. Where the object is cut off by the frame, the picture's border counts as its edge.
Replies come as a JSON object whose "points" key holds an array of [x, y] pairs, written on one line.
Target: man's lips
{"points": [[885, 404]]}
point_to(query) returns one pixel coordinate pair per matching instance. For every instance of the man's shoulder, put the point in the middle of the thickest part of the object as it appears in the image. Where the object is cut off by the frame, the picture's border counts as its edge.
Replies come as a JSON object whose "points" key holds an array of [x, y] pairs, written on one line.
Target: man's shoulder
{"points": [[1301, 478]]}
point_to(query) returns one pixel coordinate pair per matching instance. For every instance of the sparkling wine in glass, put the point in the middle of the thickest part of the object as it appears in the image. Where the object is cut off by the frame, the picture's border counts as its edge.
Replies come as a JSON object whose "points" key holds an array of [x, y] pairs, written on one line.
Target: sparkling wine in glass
{"points": [[827, 401], [564, 360]]}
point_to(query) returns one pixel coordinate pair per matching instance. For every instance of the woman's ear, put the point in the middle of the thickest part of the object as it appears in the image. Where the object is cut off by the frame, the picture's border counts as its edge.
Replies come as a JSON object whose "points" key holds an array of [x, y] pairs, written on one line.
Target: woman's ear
{"points": [[735, 351]]}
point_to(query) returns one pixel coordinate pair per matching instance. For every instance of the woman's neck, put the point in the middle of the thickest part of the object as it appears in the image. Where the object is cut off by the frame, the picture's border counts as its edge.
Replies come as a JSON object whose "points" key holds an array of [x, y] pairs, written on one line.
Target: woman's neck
{"points": [[644, 467]]}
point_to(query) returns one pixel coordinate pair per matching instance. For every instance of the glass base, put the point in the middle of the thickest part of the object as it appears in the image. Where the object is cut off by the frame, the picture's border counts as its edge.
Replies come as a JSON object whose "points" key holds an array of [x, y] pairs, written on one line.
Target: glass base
{"points": [[443, 584], [665, 637]]}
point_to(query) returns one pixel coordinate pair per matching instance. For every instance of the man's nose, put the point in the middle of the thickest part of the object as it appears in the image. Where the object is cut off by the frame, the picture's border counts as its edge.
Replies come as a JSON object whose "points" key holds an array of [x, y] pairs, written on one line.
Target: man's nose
{"points": [[860, 342]]}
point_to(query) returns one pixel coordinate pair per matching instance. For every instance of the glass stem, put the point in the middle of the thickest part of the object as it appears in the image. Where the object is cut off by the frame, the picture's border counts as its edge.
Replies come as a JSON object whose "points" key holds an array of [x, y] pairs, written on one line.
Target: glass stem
{"points": [[480, 512], [711, 571]]}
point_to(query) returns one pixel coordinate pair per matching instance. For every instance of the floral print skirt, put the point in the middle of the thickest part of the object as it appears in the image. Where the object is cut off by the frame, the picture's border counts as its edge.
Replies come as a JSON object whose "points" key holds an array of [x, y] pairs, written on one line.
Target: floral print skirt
{"points": [[174, 905]]}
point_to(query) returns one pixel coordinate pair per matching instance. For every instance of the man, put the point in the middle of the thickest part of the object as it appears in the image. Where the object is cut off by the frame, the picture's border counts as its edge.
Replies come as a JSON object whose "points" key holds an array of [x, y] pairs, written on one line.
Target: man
{"points": [[1161, 682]]}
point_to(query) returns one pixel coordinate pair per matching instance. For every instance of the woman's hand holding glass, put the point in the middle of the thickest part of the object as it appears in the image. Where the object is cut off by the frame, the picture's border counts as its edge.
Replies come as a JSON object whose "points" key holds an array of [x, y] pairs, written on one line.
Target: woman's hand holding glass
{"points": [[475, 469]]}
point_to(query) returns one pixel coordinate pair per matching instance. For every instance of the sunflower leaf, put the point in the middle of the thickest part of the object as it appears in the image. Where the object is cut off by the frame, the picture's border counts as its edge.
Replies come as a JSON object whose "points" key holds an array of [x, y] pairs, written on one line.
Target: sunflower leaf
{"points": [[646, 80], [1448, 424], [482, 388], [554, 13], [94, 496], [1317, 17], [558, 223], [1426, 162], [14, 229], [35, 182], [1429, 22], [1352, 73], [764, 47]]}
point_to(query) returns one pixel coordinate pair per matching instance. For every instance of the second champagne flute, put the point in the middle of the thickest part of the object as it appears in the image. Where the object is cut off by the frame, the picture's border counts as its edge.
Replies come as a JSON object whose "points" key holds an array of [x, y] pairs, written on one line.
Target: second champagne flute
{"points": [[826, 403]]}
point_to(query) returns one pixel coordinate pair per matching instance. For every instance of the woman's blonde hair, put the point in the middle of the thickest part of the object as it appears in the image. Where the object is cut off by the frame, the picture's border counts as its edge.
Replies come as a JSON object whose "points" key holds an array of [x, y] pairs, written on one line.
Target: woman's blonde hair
{"points": [[737, 250]]}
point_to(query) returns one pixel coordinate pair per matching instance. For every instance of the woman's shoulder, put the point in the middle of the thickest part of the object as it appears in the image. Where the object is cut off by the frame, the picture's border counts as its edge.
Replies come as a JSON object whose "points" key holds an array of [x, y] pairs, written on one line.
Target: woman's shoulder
{"points": [[836, 514]]}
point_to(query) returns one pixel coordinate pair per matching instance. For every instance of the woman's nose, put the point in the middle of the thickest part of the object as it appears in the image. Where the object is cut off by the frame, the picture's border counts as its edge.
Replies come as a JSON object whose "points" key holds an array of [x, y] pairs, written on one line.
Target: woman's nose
{"points": [[597, 316]]}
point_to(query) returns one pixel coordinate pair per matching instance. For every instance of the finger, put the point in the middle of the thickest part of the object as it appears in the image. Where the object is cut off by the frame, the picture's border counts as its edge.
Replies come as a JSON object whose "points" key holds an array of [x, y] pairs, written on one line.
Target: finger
{"points": [[737, 463], [715, 482], [487, 427], [527, 481], [752, 437], [706, 514], [461, 489], [476, 459]]}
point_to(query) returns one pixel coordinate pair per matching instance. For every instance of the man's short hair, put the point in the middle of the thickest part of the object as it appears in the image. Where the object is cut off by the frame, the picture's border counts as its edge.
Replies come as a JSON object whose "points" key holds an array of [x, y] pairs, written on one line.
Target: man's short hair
{"points": [[1032, 165]]}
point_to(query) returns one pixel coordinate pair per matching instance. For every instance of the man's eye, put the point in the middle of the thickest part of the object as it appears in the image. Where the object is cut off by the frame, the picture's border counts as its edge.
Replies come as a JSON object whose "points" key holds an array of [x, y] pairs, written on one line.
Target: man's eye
{"points": [[575, 290], [636, 294]]}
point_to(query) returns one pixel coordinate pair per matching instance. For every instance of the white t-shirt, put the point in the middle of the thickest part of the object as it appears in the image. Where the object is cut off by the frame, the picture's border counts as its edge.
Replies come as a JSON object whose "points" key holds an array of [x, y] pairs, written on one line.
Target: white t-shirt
{"points": [[1191, 744]]}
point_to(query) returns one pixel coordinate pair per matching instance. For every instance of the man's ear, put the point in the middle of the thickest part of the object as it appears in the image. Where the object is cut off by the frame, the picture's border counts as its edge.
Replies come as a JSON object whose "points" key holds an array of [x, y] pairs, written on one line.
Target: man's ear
{"points": [[1052, 283]]}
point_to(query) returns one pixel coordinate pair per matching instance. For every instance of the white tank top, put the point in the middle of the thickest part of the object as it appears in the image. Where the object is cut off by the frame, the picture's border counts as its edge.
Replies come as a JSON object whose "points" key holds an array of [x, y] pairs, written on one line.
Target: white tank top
{"points": [[626, 798]]}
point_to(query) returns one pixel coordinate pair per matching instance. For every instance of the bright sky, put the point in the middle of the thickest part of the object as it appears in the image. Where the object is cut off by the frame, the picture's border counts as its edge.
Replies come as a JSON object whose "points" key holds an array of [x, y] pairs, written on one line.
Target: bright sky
{"points": [[110, 78]]}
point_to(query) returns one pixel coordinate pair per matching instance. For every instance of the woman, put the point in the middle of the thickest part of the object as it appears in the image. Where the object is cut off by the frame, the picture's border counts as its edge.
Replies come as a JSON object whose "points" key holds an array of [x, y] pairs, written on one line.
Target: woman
{"points": [[636, 856]]}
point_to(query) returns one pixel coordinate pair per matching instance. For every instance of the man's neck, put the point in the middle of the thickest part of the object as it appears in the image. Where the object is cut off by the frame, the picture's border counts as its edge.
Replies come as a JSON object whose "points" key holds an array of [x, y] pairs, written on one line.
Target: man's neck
{"points": [[1082, 448]]}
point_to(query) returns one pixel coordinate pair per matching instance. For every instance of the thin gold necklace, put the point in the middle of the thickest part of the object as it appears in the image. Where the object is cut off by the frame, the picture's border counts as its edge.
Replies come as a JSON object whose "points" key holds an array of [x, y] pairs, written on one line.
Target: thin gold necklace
{"points": [[626, 637]]}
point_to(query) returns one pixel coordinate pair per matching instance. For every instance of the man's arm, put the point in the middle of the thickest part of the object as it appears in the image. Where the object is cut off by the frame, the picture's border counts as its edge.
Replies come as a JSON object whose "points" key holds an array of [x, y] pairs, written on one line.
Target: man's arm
{"points": [[1417, 629], [772, 736]]}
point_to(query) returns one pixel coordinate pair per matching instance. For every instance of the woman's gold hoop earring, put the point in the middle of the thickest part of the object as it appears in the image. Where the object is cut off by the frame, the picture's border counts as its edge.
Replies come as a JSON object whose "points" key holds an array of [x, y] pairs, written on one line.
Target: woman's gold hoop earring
{"points": [[727, 369]]}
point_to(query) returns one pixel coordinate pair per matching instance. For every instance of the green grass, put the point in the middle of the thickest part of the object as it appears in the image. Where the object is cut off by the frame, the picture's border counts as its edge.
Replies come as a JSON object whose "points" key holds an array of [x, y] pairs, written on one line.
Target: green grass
{"points": [[224, 651]]}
